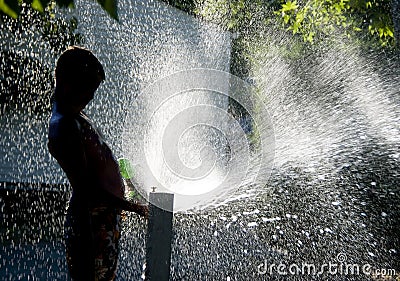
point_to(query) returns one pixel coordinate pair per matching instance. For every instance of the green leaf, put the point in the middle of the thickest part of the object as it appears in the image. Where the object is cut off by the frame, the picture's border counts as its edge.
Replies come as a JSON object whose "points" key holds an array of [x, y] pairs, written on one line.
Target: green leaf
{"points": [[289, 6], [286, 18], [310, 37], [389, 32], [10, 8], [296, 27], [300, 17], [380, 30], [110, 6], [40, 5], [125, 168]]}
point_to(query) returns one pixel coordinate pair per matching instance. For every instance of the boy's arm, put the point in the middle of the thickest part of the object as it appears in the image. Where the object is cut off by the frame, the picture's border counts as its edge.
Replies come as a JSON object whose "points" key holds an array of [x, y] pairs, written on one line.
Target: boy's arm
{"points": [[140, 209]]}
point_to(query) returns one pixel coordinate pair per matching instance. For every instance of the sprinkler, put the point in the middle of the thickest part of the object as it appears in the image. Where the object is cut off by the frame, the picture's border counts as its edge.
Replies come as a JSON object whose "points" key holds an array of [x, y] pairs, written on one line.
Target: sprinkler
{"points": [[159, 236]]}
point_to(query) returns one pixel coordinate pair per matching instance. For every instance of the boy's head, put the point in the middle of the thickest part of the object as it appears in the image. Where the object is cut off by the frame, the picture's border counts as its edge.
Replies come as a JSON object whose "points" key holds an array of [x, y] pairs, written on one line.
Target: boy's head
{"points": [[78, 74]]}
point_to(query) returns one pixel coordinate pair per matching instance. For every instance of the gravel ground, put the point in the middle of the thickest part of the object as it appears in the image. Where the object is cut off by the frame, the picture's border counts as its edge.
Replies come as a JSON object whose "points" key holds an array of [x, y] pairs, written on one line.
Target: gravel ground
{"points": [[347, 218]]}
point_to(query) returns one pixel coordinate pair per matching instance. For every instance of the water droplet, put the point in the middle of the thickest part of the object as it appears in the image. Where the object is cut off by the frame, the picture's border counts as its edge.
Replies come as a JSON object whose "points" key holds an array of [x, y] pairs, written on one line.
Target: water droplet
{"points": [[251, 224]]}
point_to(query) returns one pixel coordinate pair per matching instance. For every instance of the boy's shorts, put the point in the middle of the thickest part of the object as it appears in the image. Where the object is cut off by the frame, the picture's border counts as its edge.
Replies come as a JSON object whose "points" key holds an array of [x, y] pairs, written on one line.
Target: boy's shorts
{"points": [[91, 238]]}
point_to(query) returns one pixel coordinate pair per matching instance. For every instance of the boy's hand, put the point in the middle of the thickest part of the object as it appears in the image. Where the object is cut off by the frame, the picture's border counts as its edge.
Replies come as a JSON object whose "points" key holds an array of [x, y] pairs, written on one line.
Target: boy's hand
{"points": [[142, 210]]}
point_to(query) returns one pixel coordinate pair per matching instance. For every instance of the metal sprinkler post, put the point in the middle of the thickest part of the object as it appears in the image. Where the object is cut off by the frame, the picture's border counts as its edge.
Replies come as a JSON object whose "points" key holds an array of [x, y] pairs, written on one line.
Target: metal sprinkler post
{"points": [[159, 236]]}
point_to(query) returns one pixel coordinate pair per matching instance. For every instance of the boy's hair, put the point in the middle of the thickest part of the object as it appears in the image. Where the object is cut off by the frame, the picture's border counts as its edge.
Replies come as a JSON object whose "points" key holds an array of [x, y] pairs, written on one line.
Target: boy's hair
{"points": [[78, 68]]}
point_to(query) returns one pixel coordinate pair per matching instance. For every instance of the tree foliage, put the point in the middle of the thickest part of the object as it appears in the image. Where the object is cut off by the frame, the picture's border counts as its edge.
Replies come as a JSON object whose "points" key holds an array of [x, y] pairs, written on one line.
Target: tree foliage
{"points": [[314, 18], [310, 19], [13, 8]]}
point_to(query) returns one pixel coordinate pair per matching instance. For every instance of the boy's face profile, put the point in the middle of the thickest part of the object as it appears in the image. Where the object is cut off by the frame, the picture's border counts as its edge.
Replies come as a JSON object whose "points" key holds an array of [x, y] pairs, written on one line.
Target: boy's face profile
{"points": [[78, 95], [83, 96]]}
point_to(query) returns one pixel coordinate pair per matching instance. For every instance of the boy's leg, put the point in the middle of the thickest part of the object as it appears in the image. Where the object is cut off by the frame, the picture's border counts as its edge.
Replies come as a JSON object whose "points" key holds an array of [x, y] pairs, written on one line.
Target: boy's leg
{"points": [[106, 234], [79, 250]]}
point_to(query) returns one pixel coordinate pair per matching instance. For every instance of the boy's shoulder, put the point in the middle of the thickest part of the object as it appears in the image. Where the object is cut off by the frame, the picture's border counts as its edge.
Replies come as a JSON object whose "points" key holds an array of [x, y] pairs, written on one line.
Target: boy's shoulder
{"points": [[61, 125]]}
